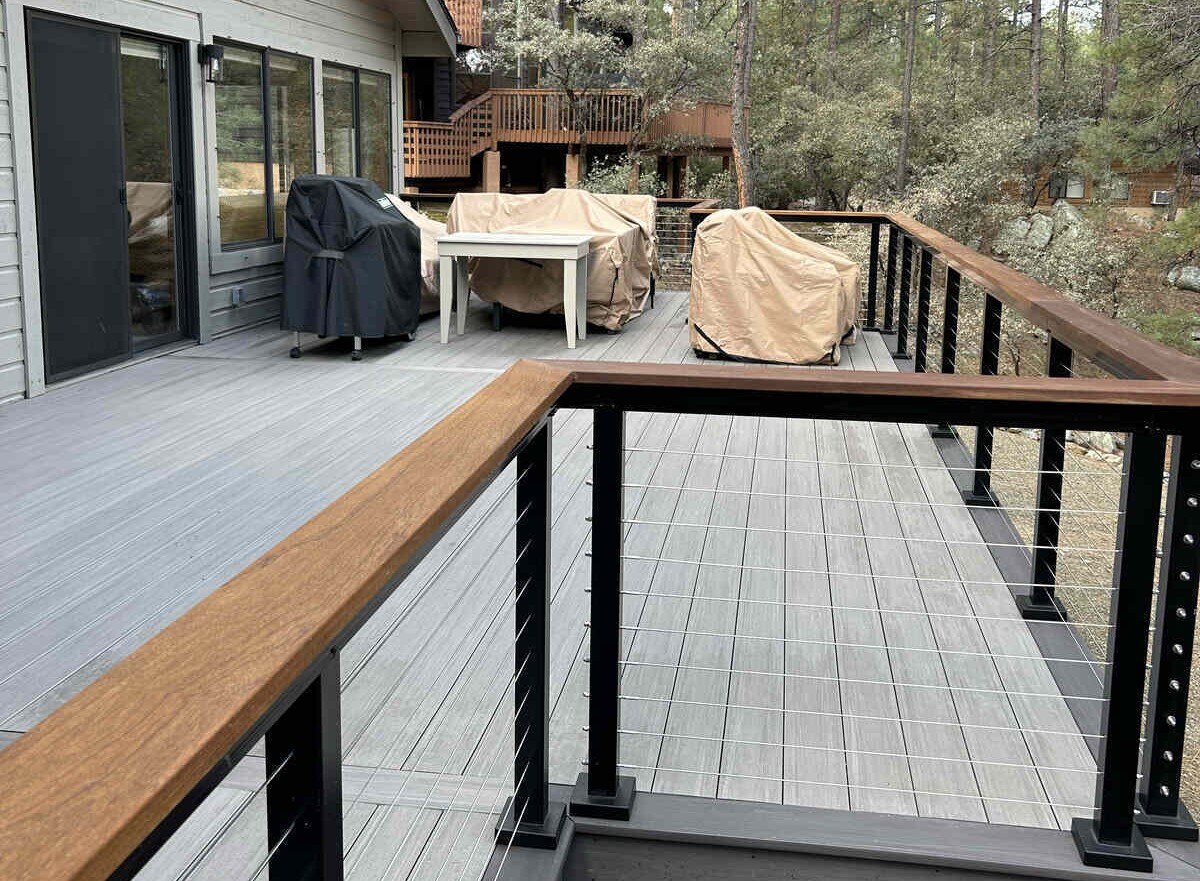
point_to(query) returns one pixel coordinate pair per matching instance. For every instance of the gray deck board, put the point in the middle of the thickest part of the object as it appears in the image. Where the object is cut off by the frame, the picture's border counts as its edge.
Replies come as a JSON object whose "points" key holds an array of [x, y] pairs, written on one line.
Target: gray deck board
{"points": [[801, 630]]}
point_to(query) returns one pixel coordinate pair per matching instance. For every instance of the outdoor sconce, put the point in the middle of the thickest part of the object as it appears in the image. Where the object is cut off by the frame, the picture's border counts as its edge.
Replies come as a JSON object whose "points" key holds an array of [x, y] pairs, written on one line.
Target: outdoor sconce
{"points": [[212, 59]]}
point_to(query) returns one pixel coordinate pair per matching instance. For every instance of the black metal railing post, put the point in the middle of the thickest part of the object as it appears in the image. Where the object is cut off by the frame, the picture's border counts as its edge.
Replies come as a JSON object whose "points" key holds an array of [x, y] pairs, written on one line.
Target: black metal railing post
{"points": [[1111, 839], [924, 277], [1040, 604], [1163, 813], [949, 339], [530, 818], [889, 283], [903, 307], [304, 783], [600, 791], [980, 492], [872, 278]]}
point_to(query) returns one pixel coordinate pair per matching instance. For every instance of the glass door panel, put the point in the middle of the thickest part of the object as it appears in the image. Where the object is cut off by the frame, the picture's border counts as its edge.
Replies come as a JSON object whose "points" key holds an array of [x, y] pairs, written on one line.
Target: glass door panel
{"points": [[341, 136], [147, 114]]}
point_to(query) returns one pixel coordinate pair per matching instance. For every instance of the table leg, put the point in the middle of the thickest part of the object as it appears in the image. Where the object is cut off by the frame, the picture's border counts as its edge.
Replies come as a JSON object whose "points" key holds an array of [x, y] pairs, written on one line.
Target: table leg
{"points": [[463, 290], [570, 299], [446, 292], [581, 280]]}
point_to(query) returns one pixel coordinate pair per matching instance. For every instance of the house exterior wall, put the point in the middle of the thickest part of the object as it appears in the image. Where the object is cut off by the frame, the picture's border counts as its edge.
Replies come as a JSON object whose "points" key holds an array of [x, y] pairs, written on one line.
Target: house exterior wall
{"points": [[234, 288], [1142, 184], [12, 336]]}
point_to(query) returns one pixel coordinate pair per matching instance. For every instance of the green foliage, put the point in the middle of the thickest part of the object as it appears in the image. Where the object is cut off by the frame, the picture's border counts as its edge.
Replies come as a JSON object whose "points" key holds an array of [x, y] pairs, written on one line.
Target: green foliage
{"points": [[1178, 242], [613, 175], [1174, 328], [825, 149]]}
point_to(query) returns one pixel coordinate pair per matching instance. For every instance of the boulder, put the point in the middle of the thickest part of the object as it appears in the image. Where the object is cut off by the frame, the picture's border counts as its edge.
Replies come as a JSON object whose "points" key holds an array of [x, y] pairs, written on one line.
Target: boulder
{"points": [[1041, 230], [1185, 277], [1067, 220], [1012, 231]]}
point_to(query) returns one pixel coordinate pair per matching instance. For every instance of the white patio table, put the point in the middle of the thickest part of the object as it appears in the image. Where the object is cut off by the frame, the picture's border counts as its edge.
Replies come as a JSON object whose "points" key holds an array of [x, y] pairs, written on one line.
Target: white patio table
{"points": [[455, 249]]}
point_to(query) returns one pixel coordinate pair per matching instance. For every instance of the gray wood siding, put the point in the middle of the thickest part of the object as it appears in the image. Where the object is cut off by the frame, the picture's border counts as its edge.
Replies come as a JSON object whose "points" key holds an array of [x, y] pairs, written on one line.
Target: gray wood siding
{"points": [[12, 337], [351, 33], [354, 33]]}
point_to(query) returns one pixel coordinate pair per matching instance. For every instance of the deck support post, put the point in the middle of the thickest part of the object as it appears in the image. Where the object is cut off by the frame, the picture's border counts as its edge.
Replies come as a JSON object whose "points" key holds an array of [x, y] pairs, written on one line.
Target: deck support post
{"points": [[600, 791], [903, 307], [924, 276], [1163, 814], [304, 783], [889, 283], [529, 818], [1040, 604], [949, 339], [980, 492], [1111, 839], [872, 279]]}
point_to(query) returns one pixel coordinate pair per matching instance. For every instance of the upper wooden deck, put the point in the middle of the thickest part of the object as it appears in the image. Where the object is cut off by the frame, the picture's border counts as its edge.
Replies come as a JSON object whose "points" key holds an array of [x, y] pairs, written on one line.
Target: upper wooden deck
{"points": [[545, 116]]}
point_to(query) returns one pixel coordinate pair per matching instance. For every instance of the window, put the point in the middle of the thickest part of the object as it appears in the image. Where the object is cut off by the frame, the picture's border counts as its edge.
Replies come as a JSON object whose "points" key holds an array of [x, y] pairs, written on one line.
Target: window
{"points": [[1118, 187], [358, 123], [1065, 186], [264, 110]]}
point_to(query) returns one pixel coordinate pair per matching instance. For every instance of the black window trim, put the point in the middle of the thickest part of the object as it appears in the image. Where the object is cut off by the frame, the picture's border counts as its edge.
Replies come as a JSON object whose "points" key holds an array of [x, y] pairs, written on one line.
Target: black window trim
{"points": [[273, 236]]}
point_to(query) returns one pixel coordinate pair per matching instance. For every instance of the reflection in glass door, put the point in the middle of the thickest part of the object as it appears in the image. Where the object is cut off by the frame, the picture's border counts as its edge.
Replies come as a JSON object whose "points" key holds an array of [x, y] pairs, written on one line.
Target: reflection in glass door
{"points": [[147, 90]]}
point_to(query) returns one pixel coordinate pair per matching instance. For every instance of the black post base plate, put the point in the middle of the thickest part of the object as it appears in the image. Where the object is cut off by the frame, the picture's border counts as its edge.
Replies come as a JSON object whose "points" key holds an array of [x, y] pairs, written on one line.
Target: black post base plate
{"points": [[885, 330], [1094, 852], [615, 807], [1180, 827], [944, 431], [988, 500], [544, 835], [1031, 611], [902, 356]]}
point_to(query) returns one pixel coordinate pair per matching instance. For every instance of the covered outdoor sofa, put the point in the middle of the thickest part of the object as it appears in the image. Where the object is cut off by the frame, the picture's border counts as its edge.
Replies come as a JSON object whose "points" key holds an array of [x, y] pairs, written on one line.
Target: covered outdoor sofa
{"points": [[762, 293], [620, 261]]}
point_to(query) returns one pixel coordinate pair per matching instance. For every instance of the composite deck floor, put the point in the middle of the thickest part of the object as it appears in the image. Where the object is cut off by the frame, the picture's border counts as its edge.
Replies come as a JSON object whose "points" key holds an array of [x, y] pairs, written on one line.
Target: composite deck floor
{"points": [[812, 617]]}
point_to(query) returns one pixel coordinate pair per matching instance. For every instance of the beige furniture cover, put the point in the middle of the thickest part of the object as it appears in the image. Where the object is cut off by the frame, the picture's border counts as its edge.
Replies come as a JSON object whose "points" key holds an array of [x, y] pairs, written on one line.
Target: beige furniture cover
{"points": [[430, 229], [644, 209], [762, 293], [619, 263]]}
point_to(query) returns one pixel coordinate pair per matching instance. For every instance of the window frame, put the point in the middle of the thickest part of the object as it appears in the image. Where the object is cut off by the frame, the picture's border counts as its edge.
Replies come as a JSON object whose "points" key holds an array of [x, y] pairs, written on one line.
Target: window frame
{"points": [[273, 236], [356, 116]]}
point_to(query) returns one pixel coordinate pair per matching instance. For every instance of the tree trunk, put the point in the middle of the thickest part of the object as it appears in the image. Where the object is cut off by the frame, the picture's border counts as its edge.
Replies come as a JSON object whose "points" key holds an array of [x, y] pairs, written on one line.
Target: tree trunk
{"points": [[1110, 30], [743, 52], [1035, 93], [989, 42], [835, 28], [910, 54], [1063, 9]]}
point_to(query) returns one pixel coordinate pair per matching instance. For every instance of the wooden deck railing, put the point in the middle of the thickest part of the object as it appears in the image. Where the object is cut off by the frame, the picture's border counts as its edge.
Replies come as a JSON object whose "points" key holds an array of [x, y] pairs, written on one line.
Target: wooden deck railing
{"points": [[93, 790], [468, 19], [546, 116]]}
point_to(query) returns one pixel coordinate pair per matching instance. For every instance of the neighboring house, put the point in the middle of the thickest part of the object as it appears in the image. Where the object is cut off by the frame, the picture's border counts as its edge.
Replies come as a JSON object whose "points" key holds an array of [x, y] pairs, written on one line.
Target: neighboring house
{"points": [[1139, 190], [467, 130], [146, 150]]}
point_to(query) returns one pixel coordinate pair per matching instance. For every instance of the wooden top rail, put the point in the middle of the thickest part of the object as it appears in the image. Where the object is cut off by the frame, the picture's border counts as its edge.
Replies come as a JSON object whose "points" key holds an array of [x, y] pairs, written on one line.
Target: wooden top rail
{"points": [[1113, 346], [88, 785]]}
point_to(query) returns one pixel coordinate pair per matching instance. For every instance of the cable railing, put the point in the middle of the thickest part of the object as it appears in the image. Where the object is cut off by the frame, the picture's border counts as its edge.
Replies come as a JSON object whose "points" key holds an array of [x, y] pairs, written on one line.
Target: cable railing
{"points": [[126, 761], [817, 583]]}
